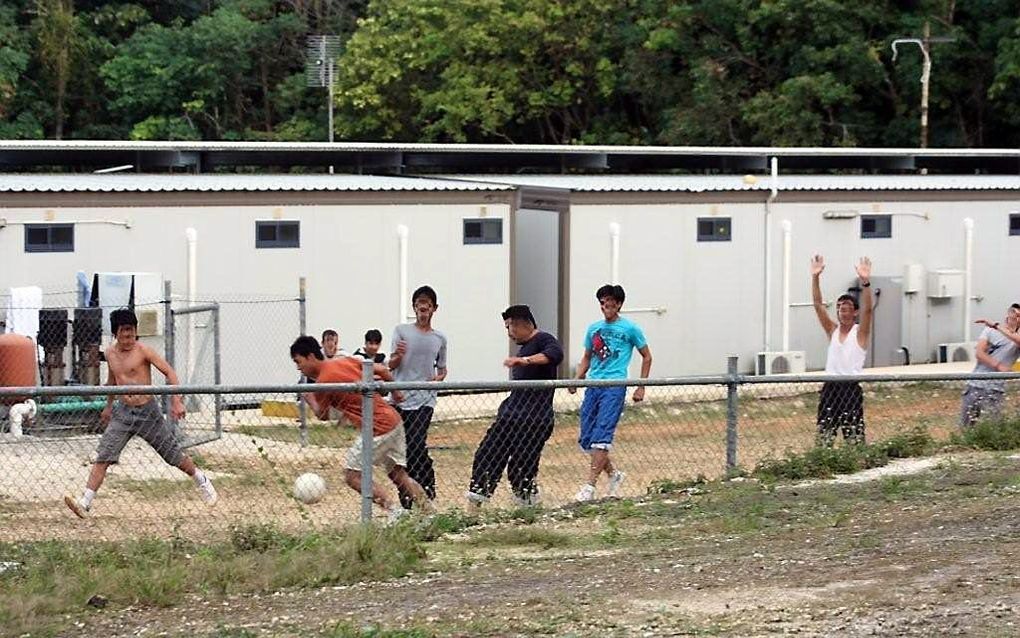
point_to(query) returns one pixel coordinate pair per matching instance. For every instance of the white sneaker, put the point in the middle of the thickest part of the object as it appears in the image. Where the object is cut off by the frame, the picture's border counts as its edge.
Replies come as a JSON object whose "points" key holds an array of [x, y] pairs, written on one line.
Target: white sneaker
{"points": [[615, 481], [208, 492], [530, 500], [79, 510], [587, 493], [475, 502]]}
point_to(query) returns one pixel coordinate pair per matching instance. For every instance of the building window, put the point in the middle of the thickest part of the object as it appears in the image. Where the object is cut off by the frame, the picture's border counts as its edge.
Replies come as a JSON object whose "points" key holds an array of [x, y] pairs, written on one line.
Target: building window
{"points": [[714, 229], [876, 226], [1014, 223], [49, 238], [278, 234], [483, 231]]}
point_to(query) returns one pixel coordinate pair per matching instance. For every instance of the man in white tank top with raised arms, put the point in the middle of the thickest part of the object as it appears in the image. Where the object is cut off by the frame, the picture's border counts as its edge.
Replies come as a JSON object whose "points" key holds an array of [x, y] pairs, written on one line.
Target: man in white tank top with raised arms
{"points": [[841, 403]]}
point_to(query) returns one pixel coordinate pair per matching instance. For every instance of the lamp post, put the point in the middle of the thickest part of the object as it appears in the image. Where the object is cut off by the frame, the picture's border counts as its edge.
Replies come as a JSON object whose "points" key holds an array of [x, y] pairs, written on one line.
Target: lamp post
{"points": [[924, 44]]}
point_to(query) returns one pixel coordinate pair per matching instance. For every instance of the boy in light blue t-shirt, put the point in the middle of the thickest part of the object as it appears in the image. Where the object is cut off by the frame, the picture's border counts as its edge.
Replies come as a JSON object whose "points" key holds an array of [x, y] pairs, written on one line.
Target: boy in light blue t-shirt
{"points": [[608, 347]]}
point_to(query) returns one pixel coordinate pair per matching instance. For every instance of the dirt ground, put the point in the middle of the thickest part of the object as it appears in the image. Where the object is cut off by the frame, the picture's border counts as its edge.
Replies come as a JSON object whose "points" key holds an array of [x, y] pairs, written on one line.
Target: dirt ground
{"points": [[928, 553], [679, 435]]}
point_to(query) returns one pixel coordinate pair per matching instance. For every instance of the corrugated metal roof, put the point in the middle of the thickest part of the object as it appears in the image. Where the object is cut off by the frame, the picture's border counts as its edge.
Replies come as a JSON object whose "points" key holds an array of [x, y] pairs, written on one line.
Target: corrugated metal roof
{"points": [[712, 183], [41, 183], [47, 183]]}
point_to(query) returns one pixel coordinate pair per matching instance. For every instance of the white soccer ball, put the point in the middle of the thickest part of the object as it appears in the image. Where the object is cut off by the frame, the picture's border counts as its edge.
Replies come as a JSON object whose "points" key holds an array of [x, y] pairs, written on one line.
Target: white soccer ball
{"points": [[309, 488]]}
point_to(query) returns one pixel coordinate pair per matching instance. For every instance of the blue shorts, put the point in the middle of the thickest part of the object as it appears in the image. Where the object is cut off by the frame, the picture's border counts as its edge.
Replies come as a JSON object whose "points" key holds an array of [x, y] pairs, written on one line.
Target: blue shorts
{"points": [[600, 412]]}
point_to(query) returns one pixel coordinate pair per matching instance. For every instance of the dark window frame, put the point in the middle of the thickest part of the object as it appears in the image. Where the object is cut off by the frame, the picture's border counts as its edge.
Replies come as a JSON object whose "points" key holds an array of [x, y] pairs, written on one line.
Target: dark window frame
{"points": [[491, 222], [717, 225], [1014, 217], [877, 232], [277, 225], [50, 246]]}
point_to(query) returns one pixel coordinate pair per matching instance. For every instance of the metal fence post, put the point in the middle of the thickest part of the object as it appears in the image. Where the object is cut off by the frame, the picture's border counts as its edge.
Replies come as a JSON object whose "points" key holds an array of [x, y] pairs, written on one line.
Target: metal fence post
{"points": [[302, 406], [367, 418], [217, 398], [732, 406], [168, 340]]}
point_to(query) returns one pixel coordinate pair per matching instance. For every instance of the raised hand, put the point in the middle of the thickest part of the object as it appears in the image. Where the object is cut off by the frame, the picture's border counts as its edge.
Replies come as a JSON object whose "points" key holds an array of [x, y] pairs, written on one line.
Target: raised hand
{"points": [[864, 269], [817, 265]]}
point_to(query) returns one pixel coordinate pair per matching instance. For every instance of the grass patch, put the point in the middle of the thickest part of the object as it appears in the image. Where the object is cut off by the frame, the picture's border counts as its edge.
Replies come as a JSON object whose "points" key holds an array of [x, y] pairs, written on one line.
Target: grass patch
{"points": [[991, 434], [347, 630], [672, 486], [825, 462], [55, 578], [522, 536], [154, 488]]}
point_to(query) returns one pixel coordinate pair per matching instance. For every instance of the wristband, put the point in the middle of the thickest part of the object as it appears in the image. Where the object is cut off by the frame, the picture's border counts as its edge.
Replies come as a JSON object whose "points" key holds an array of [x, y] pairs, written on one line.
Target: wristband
{"points": [[866, 285]]}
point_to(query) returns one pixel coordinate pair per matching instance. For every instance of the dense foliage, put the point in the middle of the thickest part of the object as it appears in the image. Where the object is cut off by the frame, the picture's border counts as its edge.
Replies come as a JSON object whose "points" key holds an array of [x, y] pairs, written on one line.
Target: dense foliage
{"points": [[688, 72]]}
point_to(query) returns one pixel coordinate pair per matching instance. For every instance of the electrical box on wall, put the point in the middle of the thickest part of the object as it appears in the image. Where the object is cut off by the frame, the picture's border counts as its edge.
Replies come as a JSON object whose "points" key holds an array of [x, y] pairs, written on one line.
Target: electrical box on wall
{"points": [[944, 284], [913, 278]]}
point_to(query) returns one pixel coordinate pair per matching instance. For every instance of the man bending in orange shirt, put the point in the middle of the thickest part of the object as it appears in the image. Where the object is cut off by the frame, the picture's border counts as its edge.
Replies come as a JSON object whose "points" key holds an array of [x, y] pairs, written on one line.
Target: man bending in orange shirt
{"points": [[388, 445]]}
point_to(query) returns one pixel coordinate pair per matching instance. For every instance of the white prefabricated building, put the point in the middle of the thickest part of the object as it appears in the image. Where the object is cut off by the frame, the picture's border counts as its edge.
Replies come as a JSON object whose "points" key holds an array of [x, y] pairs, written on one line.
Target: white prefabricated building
{"points": [[713, 265]]}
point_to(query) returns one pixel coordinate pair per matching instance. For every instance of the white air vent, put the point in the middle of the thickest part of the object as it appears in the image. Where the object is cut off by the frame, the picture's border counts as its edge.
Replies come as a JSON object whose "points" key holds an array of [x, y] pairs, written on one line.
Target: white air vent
{"points": [[780, 362], [952, 352]]}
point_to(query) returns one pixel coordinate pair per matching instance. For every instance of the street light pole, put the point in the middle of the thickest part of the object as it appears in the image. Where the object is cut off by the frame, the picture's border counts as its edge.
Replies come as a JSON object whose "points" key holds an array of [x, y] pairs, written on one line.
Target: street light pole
{"points": [[925, 45], [925, 78]]}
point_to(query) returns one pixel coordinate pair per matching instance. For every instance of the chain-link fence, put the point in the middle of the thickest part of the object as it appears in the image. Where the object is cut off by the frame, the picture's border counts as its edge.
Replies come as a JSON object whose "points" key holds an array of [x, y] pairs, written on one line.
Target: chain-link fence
{"points": [[72, 329], [684, 428]]}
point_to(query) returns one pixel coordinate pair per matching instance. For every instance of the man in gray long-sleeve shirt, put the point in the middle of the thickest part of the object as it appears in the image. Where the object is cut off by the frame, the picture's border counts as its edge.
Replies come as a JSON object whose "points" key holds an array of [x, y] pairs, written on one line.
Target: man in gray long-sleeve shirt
{"points": [[419, 354], [997, 350]]}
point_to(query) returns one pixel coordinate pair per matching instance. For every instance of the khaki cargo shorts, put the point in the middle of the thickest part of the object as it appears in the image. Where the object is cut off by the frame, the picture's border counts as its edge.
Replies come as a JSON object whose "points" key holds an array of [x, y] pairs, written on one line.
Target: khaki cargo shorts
{"points": [[388, 451]]}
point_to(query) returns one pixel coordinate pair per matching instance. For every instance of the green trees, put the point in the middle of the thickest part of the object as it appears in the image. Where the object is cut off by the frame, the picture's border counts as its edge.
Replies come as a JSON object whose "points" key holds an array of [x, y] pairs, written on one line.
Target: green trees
{"points": [[693, 72]]}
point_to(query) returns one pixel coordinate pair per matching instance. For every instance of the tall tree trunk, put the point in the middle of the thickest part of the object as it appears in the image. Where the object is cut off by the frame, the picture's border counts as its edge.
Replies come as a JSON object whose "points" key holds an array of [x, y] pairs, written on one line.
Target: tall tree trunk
{"points": [[267, 104], [57, 34]]}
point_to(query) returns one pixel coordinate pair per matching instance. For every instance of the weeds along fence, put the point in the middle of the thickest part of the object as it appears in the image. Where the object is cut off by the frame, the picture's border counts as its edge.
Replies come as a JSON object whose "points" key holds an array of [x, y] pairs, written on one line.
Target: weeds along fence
{"points": [[684, 428]]}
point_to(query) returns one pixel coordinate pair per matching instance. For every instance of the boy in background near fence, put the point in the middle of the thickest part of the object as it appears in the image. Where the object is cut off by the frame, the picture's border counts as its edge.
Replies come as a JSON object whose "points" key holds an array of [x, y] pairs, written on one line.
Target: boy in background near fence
{"points": [[608, 347], [331, 345], [997, 349], [388, 445], [370, 351], [130, 363]]}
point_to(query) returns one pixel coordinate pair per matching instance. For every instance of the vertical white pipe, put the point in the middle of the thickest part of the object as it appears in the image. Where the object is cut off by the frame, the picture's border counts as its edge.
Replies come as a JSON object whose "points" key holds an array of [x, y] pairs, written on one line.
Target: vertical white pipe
{"points": [[402, 303], [968, 269], [20, 412], [773, 193], [787, 248], [614, 253], [192, 236]]}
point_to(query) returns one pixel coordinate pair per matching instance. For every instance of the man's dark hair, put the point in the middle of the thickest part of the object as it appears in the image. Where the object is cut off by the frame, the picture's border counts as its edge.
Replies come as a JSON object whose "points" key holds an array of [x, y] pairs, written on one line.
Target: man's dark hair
{"points": [[850, 298], [611, 291], [425, 291], [519, 313], [306, 346], [373, 336], [122, 317], [329, 333], [1015, 306]]}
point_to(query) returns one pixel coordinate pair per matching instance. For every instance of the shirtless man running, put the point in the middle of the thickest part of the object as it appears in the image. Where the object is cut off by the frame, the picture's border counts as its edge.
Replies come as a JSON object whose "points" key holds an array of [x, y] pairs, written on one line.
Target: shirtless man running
{"points": [[131, 363]]}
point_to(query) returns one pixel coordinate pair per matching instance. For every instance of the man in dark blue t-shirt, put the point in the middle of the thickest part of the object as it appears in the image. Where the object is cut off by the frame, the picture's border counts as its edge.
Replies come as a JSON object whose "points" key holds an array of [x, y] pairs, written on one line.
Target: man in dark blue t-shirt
{"points": [[524, 421]]}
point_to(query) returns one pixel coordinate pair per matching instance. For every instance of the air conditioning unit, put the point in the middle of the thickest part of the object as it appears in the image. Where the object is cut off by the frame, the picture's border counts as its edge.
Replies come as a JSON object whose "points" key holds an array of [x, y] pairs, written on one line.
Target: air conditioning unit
{"points": [[780, 363], [951, 352]]}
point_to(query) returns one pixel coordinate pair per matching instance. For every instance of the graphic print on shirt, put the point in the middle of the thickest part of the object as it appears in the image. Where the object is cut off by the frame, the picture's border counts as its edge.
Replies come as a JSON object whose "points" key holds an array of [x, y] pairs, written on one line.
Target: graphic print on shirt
{"points": [[599, 347]]}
